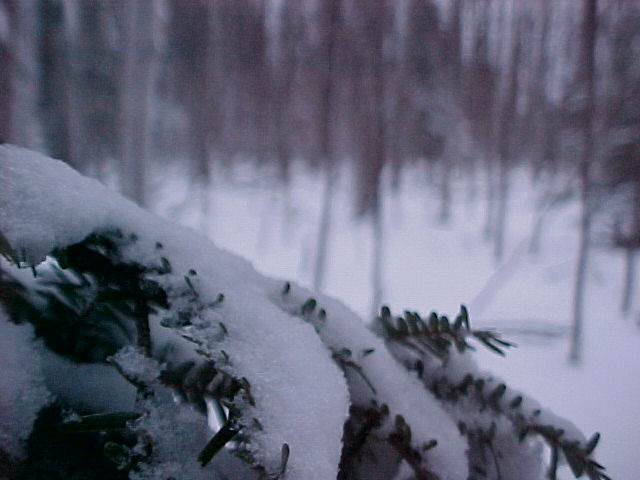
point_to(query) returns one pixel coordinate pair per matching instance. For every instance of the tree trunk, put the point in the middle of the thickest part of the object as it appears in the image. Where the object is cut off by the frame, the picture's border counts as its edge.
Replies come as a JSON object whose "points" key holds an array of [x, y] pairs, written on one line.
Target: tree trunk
{"points": [[77, 136], [629, 280], [377, 262], [501, 210], [490, 199], [587, 81], [322, 243], [138, 77], [377, 150], [505, 139], [575, 351], [55, 80], [444, 214], [7, 78], [325, 122], [536, 233], [630, 255], [283, 72]]}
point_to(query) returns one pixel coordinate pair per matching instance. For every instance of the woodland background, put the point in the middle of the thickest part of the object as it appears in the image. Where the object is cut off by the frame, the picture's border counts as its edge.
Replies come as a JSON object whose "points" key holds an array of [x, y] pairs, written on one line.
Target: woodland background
{"points": [[466, 92]]}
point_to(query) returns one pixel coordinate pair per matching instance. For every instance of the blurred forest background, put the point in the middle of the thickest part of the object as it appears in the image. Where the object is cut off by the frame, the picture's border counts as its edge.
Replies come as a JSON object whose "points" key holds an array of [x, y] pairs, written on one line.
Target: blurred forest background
{"points": [[467, 91]]}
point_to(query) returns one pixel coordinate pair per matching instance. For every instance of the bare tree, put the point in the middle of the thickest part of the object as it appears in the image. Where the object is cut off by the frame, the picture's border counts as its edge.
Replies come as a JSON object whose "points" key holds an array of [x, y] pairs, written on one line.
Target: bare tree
{"points": [[479, 87], [283, 69], [96, 65], [621, 122], [8, 10], [138, 76], [55, 82], [331, 18], [370, 128], [630, 252], [504, 139], [586, 78], [197, 83]]}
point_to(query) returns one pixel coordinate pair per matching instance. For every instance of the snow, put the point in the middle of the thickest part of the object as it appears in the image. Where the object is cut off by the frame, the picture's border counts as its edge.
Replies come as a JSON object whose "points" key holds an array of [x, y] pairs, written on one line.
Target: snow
{"points": [[135, 366], [28, 192], [394, 385], [429, 266], [300, 394], [177, 432], [22, 388]]}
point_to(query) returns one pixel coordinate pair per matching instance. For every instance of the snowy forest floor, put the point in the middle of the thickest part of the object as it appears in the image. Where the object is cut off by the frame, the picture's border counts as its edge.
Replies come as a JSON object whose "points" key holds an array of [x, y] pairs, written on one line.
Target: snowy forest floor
{"points": [[429, 266]]}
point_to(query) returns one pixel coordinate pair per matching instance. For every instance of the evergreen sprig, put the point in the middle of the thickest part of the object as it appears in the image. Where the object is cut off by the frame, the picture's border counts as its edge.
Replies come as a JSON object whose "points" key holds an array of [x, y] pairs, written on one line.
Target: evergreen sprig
{"points": [[436, 335], [90, 292], [364, 422], [485, 395], [400, 440], [358, 430], [75, 315], [97, 293]]}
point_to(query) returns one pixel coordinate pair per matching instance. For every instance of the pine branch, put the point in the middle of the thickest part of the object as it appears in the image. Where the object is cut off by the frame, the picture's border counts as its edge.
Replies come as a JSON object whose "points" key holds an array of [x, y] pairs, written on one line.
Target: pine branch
{"points": [[362, 422], [500, 402], [400, 440], [97, 282], [124, 289], [436, 336]]}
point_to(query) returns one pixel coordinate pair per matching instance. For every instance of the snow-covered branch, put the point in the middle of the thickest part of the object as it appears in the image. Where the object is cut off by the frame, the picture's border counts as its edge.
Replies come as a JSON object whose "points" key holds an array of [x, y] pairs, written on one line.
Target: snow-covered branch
{"points": [[292, 383]]}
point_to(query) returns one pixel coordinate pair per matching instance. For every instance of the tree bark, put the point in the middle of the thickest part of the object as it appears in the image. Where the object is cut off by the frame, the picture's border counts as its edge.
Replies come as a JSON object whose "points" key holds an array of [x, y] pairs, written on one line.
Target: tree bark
{"points": [[587, 82], [138, 75], [7, 76], [629, 280], [322, 243], [490, 202], [505, 139], [630, 255], [55, 81], [377, 262], [325, 123], [377, 150]]}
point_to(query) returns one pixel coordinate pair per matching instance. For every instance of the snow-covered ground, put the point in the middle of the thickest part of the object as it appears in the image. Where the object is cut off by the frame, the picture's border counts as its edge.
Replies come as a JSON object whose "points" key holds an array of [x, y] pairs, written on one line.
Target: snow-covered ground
{"points": [[428, 266]]}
